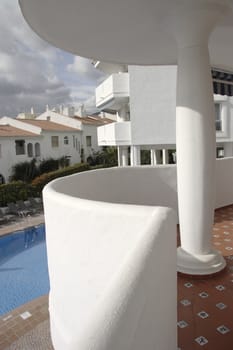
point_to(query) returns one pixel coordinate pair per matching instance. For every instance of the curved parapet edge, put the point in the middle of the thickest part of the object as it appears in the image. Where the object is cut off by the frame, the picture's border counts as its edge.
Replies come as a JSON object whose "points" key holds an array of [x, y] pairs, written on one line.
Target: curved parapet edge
{"points": [[112, 273]]}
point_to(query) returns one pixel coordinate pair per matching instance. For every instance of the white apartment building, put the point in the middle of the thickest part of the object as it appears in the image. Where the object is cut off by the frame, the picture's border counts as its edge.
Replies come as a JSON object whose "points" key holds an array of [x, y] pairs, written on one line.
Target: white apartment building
{"points": [[145, 101], [87, 126], [49, 135]]}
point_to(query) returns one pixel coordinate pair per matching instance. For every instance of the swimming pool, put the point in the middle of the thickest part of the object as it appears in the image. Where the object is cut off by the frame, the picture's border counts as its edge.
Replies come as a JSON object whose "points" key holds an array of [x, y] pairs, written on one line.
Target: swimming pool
{"points": [[23, 267]]}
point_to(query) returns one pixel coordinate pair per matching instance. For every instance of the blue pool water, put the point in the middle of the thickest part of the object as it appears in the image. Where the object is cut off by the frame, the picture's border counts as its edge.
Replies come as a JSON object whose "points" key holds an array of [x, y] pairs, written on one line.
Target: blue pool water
{"points": [[23, 268]]}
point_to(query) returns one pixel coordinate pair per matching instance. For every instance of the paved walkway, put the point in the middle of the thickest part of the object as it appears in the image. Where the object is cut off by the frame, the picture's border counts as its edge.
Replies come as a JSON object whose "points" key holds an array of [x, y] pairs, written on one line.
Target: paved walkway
{"points": [[20, 224]]}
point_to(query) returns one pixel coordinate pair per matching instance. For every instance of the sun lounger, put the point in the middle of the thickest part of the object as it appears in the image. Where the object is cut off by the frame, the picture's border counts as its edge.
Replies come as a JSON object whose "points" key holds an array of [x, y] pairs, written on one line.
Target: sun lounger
{"points": [[4, 217], [22, 207], [38, 206], [13, 209]]}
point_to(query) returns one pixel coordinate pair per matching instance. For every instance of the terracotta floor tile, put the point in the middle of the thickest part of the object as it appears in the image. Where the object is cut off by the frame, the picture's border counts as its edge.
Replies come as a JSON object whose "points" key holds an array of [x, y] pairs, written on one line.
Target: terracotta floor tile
{"points": [[219, 289]]}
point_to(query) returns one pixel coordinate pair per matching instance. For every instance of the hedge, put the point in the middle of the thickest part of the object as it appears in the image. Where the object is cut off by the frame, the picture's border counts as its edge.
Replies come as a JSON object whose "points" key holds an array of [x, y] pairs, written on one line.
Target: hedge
{"points": [[40, 181], [18, 190], [14, 191]]}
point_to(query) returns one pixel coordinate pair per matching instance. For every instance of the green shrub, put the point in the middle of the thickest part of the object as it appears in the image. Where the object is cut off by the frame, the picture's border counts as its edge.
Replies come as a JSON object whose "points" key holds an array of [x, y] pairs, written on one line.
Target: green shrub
{"points": [[27, 171], [24, 171], [47, 165], [40, 181], [64, 162], [14, 191], [106, 157]]}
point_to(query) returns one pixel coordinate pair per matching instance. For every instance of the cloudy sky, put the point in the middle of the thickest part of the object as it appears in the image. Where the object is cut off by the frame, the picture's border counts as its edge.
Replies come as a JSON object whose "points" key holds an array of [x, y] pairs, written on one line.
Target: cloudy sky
{"points": [[33, 73]]}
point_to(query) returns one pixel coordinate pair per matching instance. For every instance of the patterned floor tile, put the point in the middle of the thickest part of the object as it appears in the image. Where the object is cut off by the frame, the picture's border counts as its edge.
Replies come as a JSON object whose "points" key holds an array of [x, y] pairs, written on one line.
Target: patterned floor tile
{"points": [[209, 315]]}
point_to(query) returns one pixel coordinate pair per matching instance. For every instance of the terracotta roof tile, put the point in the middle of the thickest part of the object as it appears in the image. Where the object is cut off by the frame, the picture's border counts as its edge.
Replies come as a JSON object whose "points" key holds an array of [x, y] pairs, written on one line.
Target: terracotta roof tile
{"points": [[11, 131], [94, 120], [48, 125]]}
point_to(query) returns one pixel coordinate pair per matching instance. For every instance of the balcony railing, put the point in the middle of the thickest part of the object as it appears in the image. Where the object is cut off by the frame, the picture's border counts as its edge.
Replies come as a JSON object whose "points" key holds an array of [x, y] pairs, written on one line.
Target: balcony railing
{"points": [[115, 134], [113, 92]]}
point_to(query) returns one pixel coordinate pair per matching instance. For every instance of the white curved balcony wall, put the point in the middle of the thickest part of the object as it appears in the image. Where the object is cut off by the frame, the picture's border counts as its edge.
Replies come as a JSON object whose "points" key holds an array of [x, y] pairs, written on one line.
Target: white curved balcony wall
{"points": [[224, 179], [115, 134], [112, 286], [158, 185], [105, 256], [154, 186], [113, 92]]}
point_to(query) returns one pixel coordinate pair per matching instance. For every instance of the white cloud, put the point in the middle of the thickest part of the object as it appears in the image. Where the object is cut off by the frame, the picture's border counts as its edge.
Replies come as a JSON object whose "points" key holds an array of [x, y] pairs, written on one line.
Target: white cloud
{"points": [[85, 79], [83, 66], [33, 73], [90, 105], [28, 75], [82, 69]]}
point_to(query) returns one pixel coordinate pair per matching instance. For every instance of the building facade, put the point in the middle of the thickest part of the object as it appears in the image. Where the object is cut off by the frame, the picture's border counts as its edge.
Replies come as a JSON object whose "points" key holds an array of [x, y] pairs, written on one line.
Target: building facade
{"points": [[145, 101], [50, 135]]}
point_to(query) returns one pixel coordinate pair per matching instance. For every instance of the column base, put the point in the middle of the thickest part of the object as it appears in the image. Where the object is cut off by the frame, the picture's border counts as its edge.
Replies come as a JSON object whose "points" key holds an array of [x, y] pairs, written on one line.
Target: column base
{"points": [[205, 264]]}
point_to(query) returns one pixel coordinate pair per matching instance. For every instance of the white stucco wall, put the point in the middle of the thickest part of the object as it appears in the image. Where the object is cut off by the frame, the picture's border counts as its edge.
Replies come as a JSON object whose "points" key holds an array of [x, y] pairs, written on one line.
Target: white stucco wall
{"points": [[8, 155], [115, 134], [85, 130], [90, 130], [224, 179], [113, 91], [108, 290], [158, 185], [152, 104], [108, 229], [9, 158], [139, 185], [153, 108], [70, 150], [60, 119]]}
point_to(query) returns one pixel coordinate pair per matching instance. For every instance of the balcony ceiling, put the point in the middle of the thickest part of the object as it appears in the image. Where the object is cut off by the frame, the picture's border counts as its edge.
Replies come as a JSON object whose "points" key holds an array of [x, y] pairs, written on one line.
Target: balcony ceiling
{"points": [[125, 31]]}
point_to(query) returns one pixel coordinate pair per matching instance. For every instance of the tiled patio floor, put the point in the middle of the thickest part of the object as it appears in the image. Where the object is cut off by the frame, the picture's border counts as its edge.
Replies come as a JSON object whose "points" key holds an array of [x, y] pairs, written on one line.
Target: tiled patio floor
{"points": [[21, 321], [21, 223], [205, 306]]}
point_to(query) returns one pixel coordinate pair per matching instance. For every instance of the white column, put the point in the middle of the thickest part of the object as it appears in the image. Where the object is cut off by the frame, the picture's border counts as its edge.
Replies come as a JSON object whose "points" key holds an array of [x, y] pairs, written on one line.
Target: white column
{"points": [[119, 156], [195, 137], [124, 156], [135, 155], [154, 157], [165, 156]]}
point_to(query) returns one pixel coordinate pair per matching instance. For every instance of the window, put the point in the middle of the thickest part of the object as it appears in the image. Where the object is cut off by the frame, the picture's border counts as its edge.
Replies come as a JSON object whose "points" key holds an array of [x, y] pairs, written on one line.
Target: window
{"points": [[88, 141], [37, 149], [0, 151], [54, 141], [30, 150], [218, 119], [19, 147], [220, 152], [66, 140]]}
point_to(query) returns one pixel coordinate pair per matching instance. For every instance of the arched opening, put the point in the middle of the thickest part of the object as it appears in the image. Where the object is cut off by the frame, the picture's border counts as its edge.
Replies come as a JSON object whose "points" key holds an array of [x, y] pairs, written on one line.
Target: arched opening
{"points": [[30, 150], [37, 149]]}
